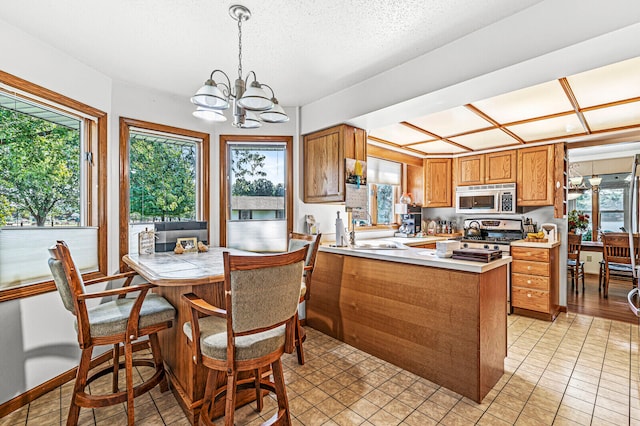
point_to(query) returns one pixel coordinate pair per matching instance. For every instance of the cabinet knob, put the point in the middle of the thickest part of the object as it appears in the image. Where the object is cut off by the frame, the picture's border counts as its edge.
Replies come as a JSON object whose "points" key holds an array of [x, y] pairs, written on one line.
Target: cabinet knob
{"points": [[528, 268], [528, 294], [528, 281]]}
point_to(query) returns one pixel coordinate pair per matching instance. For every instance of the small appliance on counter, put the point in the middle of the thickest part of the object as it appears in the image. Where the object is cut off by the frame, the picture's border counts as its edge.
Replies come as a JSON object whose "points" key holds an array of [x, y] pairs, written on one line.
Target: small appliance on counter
{"points": [[411, 222], [446, 248], [550, 232]]}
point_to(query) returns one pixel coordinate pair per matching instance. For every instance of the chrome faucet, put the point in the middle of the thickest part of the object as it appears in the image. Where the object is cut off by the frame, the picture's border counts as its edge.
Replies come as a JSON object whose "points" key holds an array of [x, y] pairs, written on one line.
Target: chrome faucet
{"points": [[352, 234]]}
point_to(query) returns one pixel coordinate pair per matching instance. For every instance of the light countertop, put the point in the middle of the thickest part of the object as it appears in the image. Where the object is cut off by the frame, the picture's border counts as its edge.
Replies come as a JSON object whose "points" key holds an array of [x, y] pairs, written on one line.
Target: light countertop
{"points": [[523, 243], [416, 256]]}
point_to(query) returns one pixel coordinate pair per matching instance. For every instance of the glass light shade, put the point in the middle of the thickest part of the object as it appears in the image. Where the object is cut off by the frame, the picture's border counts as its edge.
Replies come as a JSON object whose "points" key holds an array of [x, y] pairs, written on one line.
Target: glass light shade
{"points": [[576, 180], [595, 181], [209, 114], [275, 114], [209, 96], [255, 98], [573, 195], [251, 121]]}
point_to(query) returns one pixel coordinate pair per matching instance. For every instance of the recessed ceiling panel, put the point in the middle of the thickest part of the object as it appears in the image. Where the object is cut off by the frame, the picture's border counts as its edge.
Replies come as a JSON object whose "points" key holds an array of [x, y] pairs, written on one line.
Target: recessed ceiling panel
{"points": [[399, 134], [536, 101], [451, 122], [493, 138], [438, 147], [558, 127], [607, 84], [616, 116]]}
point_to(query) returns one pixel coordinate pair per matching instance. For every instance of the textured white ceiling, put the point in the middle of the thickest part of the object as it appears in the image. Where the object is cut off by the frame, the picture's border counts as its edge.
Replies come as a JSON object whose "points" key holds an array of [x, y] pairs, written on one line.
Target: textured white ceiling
{"points": [[304, 49]]}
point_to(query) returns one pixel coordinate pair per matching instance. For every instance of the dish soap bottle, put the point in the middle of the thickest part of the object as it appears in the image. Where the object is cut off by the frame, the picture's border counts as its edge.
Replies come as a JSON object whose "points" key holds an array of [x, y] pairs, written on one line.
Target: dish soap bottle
{"points": [[340, 235]]}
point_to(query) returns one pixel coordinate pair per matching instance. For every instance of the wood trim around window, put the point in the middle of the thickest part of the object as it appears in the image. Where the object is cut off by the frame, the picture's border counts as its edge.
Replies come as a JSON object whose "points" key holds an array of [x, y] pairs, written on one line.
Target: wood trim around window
{"points": [[97, 132], [204, 156], [224, 141]]}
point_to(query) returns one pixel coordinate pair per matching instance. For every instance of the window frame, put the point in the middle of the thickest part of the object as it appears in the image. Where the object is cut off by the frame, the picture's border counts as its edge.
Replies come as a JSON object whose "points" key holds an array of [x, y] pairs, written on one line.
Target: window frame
{"points": [[96, 200], [225, 140], [202, 196]]}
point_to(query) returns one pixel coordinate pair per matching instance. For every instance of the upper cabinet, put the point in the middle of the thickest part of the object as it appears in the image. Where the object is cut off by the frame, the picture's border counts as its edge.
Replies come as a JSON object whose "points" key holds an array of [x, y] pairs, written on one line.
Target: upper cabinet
{"points": [[500, 167], [415, 183], [471, 170], [438, 182], [496, 167], [324, 155], [536, 177]]}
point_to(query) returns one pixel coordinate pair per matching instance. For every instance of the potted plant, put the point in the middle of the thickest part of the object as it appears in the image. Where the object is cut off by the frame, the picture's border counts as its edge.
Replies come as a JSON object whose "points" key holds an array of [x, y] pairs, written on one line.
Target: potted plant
{"points": [[578, 221]]}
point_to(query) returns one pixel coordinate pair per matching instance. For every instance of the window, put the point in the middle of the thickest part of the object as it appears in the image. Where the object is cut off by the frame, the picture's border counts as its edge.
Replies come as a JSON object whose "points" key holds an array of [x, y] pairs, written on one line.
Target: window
{"points": [[167, 178], [384, 179], [52, 185], [255, 196]]}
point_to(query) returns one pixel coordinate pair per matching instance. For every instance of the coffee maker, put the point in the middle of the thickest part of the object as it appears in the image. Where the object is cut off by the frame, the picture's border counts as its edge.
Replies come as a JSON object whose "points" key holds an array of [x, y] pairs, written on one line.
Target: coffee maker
{"points": [[411, 222]]}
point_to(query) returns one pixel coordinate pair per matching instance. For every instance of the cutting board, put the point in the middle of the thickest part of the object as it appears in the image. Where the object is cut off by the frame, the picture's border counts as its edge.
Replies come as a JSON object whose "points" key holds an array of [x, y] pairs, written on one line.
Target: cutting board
{"points": [[477, 255]]}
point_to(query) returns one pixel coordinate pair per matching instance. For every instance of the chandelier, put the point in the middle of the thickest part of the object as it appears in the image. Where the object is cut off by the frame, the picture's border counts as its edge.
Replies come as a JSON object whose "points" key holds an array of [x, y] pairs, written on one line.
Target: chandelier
{"points": [[577, 186], [251, 105]]}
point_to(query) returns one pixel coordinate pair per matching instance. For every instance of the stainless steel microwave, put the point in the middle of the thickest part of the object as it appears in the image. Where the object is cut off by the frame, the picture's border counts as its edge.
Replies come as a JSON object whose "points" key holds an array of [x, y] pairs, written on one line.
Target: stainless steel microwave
{"points": [[499, 198]]}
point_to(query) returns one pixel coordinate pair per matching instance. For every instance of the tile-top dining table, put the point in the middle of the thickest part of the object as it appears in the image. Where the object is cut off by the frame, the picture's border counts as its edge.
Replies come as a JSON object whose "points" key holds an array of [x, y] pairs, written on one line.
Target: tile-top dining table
{"points": [[175, 275]]}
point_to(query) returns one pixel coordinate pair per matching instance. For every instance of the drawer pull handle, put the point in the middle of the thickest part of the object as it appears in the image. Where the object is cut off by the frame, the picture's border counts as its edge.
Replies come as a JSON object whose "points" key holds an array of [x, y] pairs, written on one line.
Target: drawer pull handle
{"points": [[528, 281], [528, 294], [528, 268]]}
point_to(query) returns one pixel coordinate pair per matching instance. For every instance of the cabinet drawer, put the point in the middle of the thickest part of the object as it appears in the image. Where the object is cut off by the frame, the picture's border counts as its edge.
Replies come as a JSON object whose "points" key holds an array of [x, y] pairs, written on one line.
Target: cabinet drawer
{"points": [[530, 268], [534, 282], [529, 253], [534, 300]]}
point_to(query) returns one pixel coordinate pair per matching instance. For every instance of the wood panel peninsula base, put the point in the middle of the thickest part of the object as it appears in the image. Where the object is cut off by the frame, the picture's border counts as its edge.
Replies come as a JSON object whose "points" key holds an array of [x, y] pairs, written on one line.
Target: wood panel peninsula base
{"points": [[446, 325]]}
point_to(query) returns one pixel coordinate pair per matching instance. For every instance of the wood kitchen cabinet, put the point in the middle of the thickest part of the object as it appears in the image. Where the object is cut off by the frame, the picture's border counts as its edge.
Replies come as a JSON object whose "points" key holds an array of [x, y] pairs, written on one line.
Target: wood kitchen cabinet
{"points": [[470, 170], [415, 183], [536, 178], [535, 281], [495, 167], [324, 165], [438, 182]]}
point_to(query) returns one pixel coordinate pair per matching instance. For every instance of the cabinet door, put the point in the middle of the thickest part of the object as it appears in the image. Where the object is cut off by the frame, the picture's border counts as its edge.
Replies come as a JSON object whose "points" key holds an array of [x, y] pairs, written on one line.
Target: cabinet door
{"points": [[324, 166], [500, 167], [415, 183], [471, 170], [438, 182], [355, 142], [535, 176]]}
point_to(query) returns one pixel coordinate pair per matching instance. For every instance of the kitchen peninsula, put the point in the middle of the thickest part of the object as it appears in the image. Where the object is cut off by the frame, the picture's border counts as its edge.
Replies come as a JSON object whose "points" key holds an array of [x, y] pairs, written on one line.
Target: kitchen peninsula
{"points": [[440, 318]]}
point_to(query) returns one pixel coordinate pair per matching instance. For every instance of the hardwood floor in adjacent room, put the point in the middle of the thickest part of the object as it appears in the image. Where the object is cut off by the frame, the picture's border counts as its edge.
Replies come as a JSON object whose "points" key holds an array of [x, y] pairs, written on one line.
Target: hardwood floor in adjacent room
{"points": [[591, 302]]}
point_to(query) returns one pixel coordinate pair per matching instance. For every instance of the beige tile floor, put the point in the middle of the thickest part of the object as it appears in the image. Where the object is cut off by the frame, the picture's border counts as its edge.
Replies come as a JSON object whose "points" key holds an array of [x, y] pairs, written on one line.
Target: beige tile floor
{"points": [[578, 370]]}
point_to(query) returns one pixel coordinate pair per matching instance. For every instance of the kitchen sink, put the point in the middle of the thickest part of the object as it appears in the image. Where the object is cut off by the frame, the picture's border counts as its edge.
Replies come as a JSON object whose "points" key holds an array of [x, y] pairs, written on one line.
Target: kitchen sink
{"points": [[378, 245]]}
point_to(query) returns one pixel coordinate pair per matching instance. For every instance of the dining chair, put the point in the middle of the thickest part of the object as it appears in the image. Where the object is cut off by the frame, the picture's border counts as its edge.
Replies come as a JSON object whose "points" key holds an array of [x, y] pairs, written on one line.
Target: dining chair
{"points": [[297, 241], [574, 265], [119, 321], [250, 334], [617, 258]]}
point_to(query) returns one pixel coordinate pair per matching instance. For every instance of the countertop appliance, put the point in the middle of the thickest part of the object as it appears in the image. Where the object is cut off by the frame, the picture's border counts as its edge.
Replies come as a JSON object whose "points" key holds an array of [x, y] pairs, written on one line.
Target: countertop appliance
{"points": [[411, 222], [550, 231], [495, 234], [498, 198]]}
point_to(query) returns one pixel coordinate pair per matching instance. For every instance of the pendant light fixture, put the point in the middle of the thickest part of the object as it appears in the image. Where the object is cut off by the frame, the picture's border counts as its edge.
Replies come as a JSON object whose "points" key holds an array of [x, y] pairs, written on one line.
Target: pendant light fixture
{"points": [[251, 105]]}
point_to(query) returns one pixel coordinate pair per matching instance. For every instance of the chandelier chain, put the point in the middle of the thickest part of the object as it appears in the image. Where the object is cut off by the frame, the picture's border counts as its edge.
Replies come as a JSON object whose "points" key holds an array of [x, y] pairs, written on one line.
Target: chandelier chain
{"points": [[240, 49]]}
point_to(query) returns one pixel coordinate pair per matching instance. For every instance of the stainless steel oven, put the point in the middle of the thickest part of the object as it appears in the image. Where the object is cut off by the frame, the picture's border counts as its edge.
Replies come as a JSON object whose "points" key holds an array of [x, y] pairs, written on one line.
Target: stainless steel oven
{"points": [[496, 234]]}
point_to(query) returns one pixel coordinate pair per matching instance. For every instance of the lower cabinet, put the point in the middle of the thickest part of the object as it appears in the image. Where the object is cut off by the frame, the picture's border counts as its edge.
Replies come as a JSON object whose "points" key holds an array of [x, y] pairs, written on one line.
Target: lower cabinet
{"points": [[535, 282]]}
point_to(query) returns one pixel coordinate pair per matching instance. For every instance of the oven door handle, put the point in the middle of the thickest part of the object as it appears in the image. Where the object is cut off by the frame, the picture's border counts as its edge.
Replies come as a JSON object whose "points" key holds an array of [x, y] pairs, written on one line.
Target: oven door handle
{"points": [[632, 305]]}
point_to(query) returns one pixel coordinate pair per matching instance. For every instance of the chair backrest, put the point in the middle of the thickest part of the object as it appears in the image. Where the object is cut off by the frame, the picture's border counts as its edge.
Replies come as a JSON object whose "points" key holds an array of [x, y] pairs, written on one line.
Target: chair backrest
{"points": [[297, 241], [261, 292], [616, 247], [66, 275], [574, 243]]}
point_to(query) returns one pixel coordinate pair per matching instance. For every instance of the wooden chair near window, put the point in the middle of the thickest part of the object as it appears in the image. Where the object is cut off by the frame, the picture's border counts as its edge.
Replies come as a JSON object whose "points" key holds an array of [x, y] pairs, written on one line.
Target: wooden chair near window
{"points": [[256, 326], [617, 259], [574, 265], [297, 241], [120, 321]]}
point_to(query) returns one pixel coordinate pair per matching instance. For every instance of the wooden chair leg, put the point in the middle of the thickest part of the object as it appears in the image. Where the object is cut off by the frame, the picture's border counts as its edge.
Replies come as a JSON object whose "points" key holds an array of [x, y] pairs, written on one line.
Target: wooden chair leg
{"points": [[298, 334], [281, 393], [157, 360], [600, 274], [229, 411], [80, 384], [582, 279], [207, 409], [606, 284], [116, 368], [258, 378], [128, 362]]}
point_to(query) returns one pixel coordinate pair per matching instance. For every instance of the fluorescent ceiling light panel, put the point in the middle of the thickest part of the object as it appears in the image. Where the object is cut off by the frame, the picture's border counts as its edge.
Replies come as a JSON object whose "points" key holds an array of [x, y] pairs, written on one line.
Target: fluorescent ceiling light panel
{"points": [[612, 117], [451, 122], [493, 138], [557, 127], [400, 134]]}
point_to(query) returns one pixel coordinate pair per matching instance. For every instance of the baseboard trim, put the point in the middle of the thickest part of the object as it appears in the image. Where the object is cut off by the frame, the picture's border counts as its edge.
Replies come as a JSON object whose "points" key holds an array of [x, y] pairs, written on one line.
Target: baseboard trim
{"points": [[563, 309], [33, 394]]}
